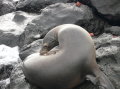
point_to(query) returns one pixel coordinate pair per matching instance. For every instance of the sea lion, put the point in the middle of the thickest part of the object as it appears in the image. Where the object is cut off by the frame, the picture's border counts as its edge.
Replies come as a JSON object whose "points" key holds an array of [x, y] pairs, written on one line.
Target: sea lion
{"points": [[70, 66]]}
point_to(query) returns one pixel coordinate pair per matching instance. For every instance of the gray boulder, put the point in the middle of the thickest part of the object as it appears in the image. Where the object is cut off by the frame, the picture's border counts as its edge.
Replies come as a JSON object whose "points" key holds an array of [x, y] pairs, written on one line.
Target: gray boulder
{"points": [[12, 25], [52, 16]]}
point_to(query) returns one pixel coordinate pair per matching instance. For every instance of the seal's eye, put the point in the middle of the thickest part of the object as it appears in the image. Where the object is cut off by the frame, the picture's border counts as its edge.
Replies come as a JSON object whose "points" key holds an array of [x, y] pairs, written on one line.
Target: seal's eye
{"points": [[45, 45]]}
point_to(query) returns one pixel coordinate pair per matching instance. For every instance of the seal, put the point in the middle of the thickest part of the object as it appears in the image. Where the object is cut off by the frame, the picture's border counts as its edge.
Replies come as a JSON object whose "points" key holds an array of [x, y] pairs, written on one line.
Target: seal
{"points": [[68, 67]]}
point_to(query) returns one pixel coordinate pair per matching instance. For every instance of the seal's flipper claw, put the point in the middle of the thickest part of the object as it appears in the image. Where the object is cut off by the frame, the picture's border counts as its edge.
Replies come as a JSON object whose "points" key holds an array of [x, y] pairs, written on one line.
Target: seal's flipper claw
{"points": [[93, 79]]}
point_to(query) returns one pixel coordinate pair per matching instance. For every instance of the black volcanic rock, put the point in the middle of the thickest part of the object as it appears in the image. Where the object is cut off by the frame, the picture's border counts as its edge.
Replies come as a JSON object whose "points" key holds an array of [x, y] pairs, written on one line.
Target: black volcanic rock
{"points": [[95, 25]]}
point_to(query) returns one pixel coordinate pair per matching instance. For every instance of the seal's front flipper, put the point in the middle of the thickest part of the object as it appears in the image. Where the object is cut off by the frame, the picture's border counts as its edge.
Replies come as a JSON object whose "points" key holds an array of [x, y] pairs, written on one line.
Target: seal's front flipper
{"points": [[100, 80], [92, 78], [96, 81]]}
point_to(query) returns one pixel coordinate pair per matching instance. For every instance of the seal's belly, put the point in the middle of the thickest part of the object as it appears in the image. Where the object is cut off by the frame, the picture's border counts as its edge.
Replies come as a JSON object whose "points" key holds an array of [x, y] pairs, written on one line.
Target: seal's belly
{"points": [[56, 78], [54, 75]]}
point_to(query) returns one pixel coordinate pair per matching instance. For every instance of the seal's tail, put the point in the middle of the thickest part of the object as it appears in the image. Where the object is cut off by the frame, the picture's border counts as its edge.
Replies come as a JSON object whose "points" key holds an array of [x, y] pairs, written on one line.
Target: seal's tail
{"points": [[101, 80]]}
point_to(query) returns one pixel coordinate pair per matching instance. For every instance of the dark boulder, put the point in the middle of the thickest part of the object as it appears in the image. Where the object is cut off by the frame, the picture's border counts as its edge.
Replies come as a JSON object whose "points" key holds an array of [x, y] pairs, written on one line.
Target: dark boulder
{"points": [[35, 5], [95, 25], [109, 10], [115, 30]]}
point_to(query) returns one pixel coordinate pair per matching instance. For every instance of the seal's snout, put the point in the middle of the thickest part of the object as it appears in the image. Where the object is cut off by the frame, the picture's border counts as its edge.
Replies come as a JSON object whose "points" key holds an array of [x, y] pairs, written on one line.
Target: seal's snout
{"points": [[43, 52]]}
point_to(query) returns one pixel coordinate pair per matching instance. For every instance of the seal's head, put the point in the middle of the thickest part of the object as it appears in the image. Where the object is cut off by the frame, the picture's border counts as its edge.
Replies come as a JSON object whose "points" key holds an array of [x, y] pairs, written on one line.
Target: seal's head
{"points": [[48, 44]]}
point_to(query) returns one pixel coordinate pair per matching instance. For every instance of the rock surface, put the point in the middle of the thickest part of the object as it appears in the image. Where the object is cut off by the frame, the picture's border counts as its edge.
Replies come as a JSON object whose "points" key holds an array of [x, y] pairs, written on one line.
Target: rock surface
{"points": [[6, 6], [12, 25], [18, 79], [115, 30]]}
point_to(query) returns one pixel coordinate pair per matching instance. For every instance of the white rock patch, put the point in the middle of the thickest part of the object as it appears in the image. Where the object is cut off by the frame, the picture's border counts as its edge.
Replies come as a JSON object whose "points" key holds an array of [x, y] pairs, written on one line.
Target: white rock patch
{"points": [[7, 25], [8, 55]]}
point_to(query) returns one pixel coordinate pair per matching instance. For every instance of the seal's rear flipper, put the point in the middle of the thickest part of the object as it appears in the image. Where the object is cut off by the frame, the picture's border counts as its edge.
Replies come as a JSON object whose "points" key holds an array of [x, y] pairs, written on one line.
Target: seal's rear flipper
{"points": [[100, 80]]}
